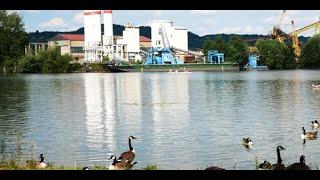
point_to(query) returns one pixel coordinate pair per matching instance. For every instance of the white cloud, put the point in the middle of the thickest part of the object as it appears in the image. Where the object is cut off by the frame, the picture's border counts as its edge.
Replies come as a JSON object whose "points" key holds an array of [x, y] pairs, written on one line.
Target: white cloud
{"points": [[78, 17], [203, 12], [157, 13], [54, 22]]}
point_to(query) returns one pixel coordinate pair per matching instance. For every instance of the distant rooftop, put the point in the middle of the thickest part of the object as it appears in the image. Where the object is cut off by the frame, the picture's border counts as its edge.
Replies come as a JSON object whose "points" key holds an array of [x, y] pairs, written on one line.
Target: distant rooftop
{"points": [[71, 37]]}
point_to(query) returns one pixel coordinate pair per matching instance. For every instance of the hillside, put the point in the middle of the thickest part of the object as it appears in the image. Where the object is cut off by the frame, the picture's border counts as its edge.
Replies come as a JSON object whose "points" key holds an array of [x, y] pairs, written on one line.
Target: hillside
{"points": [[195, 41]]}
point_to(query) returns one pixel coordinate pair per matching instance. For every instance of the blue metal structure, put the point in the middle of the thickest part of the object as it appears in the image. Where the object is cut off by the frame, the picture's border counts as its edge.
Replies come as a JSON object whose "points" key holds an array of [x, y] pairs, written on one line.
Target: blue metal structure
{"points": [[214, 57], [162, 56], [252, 61]]}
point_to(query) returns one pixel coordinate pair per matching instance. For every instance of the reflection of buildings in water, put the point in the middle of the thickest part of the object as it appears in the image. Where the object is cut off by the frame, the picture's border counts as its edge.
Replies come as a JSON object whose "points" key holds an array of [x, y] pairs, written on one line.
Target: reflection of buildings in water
{"points": [[129, 90], [110, 111], [170, 112], [94, 106]]}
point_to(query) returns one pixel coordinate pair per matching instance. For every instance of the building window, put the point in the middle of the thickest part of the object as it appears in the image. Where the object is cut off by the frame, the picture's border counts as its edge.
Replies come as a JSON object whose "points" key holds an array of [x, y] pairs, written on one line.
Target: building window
{"points": [[76, 50], [158, 42]]}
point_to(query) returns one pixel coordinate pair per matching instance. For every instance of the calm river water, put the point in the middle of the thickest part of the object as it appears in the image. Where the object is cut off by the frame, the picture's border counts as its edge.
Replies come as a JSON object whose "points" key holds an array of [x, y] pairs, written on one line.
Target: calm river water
{"points": [[181, 121]]}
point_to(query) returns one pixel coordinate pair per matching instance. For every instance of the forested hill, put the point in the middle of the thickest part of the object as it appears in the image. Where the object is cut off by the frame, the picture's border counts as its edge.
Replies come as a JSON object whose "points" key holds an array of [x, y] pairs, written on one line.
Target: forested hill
{"points": [[195, 41]]}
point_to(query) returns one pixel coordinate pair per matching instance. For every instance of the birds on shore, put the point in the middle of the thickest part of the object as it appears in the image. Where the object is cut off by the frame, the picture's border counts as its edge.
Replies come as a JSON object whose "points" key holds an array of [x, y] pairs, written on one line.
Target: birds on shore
{"points": [[300, 165], [214, 168], [128, 156], [42, 164], [117, 164], [278, 166], [124, 162]]}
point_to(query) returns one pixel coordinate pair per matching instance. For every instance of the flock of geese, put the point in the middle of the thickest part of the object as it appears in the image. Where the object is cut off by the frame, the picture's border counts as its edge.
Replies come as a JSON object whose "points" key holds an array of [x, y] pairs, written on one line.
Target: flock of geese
{"points": [[301, 165], [125, 160]]}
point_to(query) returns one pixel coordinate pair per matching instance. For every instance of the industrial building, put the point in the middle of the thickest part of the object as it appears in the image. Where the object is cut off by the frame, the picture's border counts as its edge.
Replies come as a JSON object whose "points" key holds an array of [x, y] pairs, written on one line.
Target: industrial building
{"points": [[145, 42], [69, 44], [98, 45], [177, 36]]}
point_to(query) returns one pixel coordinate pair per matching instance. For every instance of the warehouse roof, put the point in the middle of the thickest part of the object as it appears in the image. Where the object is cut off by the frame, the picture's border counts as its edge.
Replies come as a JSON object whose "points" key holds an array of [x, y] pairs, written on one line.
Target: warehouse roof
{"points": [[144, 39], [71, 37]]}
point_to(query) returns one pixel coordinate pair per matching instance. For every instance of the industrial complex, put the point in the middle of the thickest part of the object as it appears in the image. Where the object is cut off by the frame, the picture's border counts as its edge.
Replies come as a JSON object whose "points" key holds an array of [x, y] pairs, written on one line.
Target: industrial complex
{"points": [[168, 44]]}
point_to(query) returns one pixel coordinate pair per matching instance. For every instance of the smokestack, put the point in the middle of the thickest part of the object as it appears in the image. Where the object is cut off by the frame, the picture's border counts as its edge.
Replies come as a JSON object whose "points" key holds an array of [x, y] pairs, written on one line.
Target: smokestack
{"points": [[108, 27]]}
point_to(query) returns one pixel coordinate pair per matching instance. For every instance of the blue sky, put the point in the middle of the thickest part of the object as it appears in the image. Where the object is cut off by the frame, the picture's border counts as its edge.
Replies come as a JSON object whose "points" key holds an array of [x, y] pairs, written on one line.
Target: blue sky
{"points": [[201, 22]]}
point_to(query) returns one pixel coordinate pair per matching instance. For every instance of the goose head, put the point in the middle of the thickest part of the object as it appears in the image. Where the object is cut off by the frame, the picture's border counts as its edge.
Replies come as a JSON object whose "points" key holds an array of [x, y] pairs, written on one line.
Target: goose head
{"points": [[279, 148], [131, 137], [303, 131], [113, 157]]}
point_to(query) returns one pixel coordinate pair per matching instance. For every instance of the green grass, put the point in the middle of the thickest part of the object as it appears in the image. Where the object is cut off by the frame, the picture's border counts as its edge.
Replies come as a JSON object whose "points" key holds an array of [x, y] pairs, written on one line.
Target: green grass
{"points": [[151, 167]]}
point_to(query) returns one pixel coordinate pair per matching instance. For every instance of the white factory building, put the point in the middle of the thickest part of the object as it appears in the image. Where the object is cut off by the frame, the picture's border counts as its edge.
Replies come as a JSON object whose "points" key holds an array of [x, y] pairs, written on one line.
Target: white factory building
{"points": [[177, 36], [98, 45]]}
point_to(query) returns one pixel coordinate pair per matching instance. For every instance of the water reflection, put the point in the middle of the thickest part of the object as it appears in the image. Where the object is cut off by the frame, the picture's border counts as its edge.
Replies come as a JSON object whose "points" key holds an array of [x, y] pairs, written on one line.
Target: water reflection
{"points": [[185, 121]]}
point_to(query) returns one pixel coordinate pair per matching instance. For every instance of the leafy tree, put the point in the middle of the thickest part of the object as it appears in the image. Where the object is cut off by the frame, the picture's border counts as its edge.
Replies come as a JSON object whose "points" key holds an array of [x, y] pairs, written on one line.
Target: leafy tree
{"points": [[47, 62], [237, 51], [13, 38], [310, 54], [275, 55]]}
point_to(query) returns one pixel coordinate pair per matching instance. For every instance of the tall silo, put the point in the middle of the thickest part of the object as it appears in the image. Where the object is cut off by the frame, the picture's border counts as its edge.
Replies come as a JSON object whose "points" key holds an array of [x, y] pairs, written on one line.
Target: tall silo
{"points": [[108, 27], [92, 34], [180, 38]]}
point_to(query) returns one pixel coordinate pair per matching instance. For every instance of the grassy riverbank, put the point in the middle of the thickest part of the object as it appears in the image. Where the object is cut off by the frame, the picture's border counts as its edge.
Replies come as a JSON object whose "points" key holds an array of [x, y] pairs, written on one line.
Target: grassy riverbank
{"points": [[32, 165]]}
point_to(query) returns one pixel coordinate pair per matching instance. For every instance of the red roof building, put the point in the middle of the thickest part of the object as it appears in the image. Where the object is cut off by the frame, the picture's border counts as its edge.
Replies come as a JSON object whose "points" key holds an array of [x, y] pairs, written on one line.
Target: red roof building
{"points": [[71, 37], [72, 44]]}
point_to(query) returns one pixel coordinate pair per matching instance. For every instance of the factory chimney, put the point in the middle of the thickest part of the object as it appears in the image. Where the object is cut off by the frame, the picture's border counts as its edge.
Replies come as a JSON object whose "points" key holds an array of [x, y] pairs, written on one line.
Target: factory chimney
{"points": [[108, 27]]}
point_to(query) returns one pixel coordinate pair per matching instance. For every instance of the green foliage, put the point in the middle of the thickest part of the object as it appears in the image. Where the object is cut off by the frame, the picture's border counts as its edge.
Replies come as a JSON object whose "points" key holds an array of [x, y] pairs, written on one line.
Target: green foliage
{"points": [[237, 50], [105, 59], [151, 167], [216, 44], [310, 54], [46, 62], [275, 55], [13, 38]]}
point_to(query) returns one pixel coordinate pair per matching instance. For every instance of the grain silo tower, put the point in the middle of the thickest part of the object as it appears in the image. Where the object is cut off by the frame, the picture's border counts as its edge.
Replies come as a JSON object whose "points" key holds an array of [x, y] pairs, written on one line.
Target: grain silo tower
{"points": [[92, 35], [108, 27]]}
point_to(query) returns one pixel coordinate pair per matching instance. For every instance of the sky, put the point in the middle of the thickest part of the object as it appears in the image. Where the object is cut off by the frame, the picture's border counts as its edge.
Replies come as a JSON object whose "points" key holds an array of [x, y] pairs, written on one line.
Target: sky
{"points": [[201, 22]]}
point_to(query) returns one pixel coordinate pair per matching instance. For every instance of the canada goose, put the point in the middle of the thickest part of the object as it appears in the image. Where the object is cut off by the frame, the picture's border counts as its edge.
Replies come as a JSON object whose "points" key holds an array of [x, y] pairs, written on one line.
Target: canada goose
{"points": [[119, 165], [308, 135], [42, 164], [85, 168], [299, 166], [265, 165], [247, 141], [214, 168], [128, 156], [315, 124], [279, 165]]}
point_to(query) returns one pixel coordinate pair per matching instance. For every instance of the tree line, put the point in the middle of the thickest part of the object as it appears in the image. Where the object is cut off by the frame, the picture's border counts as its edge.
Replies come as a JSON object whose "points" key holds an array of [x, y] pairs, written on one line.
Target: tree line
{"points": [[272, 53]]}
